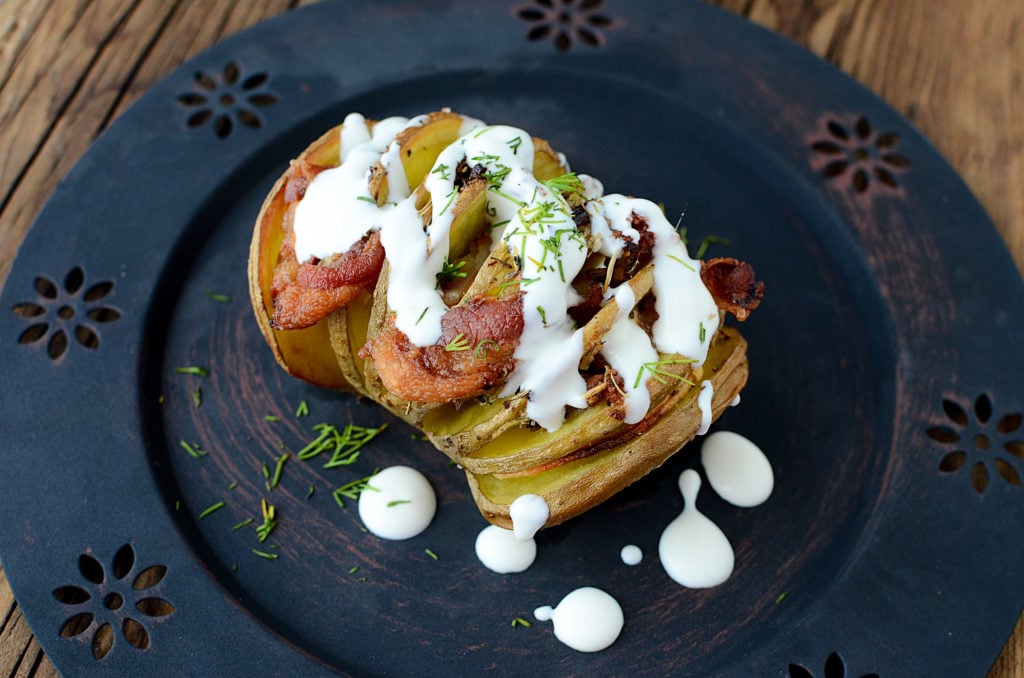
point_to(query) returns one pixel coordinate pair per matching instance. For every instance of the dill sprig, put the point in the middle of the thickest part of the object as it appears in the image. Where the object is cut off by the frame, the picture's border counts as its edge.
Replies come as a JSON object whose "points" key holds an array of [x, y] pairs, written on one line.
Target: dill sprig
{"points": [[431, 554], [450, 271], [192, 369], [398, 502], [707, 242], [197, 396], [302, 410], [481, 348], [247, 521], [269, 521], [264, 554], [566, 183], [221, 298], [661, 375], [514, 144], [442, 171], [212, 509], [194, 450], [353, 489], [459, 343], [675, 258], [519, 621], [344, 445], [276, 478]]}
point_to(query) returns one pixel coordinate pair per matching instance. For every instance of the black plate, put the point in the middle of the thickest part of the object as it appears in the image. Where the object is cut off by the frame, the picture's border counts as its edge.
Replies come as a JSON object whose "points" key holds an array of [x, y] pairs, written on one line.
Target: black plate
{"points": [[882, 388]]}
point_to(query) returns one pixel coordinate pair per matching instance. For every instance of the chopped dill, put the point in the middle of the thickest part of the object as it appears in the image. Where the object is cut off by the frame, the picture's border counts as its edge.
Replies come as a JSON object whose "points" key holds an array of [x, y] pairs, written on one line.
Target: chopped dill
{"points": [[543, 315], [312, 491], [264, 554], [247, 521], [192, 369], [782, 596], [661, 375], [398, 502], [197, 396], [703, 332], [353, 489], [431, 554], [353, 569], [566, 183], [459, 343], [366, 198], [481, 348], [344, 445], [451, 198], [675, 258], [707, 242], [221, 298], [233, 485], [302, 410], [450, 271], [425, 309], [442, 171], [519, 621], [269, 521], [279, 469], [271, 418], [194, 450], [419, 436], [514, 144], [212, 509]]}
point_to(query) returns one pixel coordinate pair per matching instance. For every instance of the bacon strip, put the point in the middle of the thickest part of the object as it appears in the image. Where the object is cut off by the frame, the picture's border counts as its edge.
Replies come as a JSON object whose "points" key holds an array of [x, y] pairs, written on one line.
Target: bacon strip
{"points": [[304, 294], [733, 285], [490, 330]]}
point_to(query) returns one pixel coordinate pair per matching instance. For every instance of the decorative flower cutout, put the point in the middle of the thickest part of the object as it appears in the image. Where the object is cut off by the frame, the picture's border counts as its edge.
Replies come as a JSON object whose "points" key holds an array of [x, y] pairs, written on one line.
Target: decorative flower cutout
{"points": [[977, 442], [107, 602], [834, 668], [227, 96], [72, 313], [862, 153], [565, 21]]}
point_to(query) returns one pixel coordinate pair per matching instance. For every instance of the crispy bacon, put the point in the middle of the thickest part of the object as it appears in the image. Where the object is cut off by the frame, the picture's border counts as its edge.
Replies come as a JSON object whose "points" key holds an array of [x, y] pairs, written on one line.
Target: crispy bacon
{"points": [[733, 285], [490, 329], [303, 294]]}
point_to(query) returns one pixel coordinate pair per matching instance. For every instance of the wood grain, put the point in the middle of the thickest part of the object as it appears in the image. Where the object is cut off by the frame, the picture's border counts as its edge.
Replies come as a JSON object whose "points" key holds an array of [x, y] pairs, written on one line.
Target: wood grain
{"points": [[68, 68]]}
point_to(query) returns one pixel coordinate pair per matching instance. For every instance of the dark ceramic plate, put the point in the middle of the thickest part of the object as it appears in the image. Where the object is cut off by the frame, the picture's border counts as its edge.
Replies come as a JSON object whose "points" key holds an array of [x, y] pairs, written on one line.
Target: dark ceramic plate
{"points": [[882, 387]]}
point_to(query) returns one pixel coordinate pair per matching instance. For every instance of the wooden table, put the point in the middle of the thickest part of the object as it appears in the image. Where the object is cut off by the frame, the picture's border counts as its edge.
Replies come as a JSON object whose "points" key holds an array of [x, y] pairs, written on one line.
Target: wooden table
{"points": [[69, 67]]}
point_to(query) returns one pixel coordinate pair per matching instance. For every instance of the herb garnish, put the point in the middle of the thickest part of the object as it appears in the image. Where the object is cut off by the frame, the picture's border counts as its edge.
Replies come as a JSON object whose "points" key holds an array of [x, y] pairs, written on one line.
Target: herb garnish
{"points": [[431, 554], [659, 374], [312, 490], [459, 343], [566, 183], [707, 242], [398, 502], [264, 554], [302, 410], [519, 621], [197, 396], [674, 257], [543, 315], [353, 489], [216, 507], [481, 348], [442, 171], [233, 485], [366, 198], [192, 369], [271, 418], [194, 450], [514, 144], [269, 521], [450, 271], [782, 597], [703, 332], [279, 469], [222, 298], [425, 309], [353, 569], [345, 444], [247, 521], [419, 436], [451, 198]]}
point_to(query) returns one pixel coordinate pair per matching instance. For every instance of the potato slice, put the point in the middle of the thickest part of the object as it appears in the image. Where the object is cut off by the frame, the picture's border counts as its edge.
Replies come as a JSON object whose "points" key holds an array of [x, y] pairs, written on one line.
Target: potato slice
{"points": [[306, 354], [574, 487]]}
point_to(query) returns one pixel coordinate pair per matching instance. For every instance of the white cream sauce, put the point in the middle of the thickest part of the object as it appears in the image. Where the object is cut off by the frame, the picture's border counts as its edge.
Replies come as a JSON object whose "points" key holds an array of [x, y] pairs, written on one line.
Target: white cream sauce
{"points": [[587, 620], [529, 513], [536, 224], [707, 392], [693, 550], [398, 503], [735, 401], [737, 469], [631, 554], [500, 551]]}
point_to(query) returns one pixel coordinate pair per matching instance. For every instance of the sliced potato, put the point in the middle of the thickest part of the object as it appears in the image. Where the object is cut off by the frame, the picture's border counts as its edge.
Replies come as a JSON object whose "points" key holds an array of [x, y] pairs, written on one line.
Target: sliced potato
{"points": [[576, 486]]}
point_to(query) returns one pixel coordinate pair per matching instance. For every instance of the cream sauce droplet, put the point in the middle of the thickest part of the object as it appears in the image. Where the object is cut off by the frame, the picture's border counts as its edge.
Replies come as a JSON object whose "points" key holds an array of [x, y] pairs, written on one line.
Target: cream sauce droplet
{"points": [[735, 401], [587, 620], [400, 505], [529, 513], [500, 551], [631, 554], [737, 469], [693, 550]]}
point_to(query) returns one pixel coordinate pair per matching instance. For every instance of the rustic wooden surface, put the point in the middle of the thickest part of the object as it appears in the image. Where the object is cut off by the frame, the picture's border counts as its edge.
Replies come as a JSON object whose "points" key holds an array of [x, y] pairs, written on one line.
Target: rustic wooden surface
{"points": [[69, 67]]}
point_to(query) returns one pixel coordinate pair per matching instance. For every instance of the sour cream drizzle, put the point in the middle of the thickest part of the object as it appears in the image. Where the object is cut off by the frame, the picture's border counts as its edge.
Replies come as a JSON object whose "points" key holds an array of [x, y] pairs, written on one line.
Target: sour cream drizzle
{"points": [[587, 620], [693, 550], [536, 223]]}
